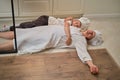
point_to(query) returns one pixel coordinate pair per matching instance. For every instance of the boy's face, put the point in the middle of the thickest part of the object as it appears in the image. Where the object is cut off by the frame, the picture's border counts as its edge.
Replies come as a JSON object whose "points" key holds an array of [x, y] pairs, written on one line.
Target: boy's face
{"points": [[76, 23], [89, 34]]}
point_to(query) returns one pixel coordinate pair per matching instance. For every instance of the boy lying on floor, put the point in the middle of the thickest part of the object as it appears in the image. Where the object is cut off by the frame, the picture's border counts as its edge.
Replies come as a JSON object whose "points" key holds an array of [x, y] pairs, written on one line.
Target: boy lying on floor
{"points": [[68, 22]]}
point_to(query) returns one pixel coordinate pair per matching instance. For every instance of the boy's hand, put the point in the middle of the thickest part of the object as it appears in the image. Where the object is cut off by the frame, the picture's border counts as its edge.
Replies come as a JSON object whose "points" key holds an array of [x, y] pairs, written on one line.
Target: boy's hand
{"points": [[69, 18], [68, 41]]}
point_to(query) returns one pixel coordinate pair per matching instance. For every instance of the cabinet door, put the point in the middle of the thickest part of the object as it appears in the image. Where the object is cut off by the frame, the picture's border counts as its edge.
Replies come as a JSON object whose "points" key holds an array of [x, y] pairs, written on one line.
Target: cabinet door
{"points": [[5, 8], [65, 7], [35, 7]]}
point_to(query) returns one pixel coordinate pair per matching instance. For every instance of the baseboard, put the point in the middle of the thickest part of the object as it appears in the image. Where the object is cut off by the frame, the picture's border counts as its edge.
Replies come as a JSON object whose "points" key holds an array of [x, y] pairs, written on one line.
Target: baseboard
{"points": [[114, 15], [18, 18], [66, 15], [35, 17]]}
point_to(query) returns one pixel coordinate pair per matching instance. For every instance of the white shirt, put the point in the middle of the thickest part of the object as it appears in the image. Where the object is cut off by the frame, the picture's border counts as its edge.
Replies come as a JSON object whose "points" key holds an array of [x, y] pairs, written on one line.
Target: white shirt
{"points": [[79, 43], [39, 38]]}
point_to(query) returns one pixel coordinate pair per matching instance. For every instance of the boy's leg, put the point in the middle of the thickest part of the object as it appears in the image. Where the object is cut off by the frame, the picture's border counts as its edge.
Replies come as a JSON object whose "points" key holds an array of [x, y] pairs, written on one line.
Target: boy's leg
{"points": [[26, 25], [41, 21], [7, 46], [7, 35]]}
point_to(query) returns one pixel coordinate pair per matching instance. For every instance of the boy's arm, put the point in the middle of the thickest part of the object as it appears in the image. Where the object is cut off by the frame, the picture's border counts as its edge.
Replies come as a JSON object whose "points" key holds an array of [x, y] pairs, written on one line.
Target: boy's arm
{"points": [[70, 18], [67, 32]]}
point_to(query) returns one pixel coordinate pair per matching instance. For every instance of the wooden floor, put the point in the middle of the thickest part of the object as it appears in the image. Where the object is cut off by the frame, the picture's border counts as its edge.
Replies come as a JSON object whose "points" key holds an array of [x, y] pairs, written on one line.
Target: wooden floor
{"points": [[57, 66]]}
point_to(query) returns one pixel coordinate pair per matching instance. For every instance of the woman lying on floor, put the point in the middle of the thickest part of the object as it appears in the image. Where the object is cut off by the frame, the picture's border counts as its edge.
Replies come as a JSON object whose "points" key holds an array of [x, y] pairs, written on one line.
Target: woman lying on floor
{"points": [[53, 36]]}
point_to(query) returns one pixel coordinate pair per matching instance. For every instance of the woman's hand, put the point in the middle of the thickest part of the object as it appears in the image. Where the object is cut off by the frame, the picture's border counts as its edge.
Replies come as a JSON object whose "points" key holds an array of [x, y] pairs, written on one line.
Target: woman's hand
{"points": [[68, 41]]}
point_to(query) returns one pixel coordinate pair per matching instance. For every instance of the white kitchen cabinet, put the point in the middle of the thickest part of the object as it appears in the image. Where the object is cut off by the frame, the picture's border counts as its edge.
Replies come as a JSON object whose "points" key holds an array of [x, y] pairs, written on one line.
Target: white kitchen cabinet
{"points": [[35, 7], [67, 7], [25, 8], [5, 8]]}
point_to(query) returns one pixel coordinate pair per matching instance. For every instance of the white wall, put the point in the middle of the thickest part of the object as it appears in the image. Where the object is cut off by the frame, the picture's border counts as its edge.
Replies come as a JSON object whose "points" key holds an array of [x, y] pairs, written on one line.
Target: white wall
{"points": [[90, 8], [97, 7]]}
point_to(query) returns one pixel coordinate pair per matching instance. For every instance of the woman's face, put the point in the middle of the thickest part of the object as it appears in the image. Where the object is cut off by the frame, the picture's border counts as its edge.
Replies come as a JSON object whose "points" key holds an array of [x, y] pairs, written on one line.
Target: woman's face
{"points": [[89, 34], [76, 23]]}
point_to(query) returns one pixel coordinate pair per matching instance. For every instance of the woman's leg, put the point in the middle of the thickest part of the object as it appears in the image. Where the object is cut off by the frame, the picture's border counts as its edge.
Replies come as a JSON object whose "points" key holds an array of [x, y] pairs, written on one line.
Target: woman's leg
{"points": [[7, 35], [7, 46]]}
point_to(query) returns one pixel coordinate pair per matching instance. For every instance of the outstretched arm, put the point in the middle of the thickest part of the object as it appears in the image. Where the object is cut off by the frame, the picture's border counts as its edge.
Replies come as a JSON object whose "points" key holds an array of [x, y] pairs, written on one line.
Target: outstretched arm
{"points": [[81, 47]]}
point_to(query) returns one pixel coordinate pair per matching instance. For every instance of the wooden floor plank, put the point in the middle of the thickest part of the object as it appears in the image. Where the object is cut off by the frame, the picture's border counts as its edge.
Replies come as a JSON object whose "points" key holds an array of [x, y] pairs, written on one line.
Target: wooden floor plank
{"points": [[56, 66]]}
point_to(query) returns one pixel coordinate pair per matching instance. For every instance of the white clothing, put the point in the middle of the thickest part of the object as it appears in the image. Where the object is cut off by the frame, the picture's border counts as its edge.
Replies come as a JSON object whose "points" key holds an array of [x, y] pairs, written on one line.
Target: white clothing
{"points": [[40, 38], [58, 21], [97, 40], [55, 21], [85, 23], [79, 43]]}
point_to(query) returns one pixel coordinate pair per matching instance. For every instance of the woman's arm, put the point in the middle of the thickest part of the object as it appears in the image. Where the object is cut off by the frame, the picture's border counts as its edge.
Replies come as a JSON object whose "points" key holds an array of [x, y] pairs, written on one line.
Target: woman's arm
{"points": [[67, 24], [81, 48], [67, 32]]}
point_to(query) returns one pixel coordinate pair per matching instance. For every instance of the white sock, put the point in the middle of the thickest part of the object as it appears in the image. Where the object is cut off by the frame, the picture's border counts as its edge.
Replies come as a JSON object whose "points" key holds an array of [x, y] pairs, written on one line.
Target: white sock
{"points": [[5, 28]]}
